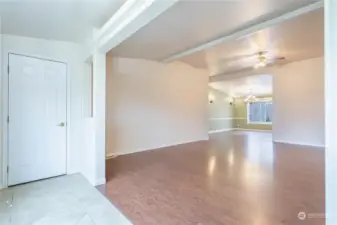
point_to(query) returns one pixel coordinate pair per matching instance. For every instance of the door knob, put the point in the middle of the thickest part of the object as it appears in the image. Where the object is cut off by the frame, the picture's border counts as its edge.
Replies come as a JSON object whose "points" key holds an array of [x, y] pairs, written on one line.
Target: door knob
{"points": [[62, 124]]}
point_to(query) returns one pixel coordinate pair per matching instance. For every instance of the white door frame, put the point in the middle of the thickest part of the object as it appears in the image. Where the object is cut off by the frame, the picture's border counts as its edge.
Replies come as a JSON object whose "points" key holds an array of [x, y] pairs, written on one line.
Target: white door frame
{"points": [[5, 112]]}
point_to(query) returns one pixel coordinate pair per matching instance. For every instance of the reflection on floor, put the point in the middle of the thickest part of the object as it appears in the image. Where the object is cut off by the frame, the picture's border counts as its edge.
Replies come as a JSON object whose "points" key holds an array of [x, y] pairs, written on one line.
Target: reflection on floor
{"points": [[66, 200], [236, 178]]}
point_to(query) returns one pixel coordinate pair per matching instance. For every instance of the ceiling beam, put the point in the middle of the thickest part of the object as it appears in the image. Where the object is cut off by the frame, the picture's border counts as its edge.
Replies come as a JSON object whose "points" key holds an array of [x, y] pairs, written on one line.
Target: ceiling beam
{"points": [[132, 16], [245, 31]]}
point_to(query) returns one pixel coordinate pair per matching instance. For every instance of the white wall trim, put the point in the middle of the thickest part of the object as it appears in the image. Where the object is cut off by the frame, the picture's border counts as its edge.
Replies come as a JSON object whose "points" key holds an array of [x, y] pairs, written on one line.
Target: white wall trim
{"points": [[299, 143], [251, 29], [236, 129], [245, 129], [222, 118], [330, 81], [260, 123], [99, 114], [95, 182], [132, 16], [219, 131], [100, 181], [158, 148], [228, 118], [110, 156]]}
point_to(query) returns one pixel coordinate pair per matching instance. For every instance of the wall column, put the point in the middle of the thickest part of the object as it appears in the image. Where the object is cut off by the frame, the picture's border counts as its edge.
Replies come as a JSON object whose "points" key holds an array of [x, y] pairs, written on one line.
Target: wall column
{"points": [[331, 111], [99, 102]]}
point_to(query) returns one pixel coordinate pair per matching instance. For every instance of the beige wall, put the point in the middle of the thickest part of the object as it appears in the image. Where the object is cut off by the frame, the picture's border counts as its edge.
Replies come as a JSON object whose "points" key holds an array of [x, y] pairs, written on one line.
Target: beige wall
{"points": [[152, 105], [240, 117], [220, 111], [299, 102]]}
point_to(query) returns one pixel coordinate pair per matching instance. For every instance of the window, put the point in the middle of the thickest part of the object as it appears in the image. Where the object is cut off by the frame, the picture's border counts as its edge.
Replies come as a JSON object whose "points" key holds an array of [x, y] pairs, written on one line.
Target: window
{"points": [[259, 112]]}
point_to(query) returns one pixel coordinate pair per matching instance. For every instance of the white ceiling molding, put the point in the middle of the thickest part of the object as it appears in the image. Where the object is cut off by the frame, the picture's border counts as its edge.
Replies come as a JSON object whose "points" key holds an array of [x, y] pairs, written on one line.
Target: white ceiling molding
{"points": [[131, 17], [245, 31]]}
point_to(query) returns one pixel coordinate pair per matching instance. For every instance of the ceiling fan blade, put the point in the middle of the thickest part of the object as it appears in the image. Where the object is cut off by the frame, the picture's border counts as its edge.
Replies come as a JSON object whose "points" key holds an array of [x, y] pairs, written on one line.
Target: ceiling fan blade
{"points": [[280, 58], [261, 52], [276, 59]]}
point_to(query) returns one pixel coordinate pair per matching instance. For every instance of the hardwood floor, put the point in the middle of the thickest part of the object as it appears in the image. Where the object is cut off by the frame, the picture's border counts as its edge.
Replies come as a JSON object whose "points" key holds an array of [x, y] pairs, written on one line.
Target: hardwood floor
{"points": [[236, 178]]}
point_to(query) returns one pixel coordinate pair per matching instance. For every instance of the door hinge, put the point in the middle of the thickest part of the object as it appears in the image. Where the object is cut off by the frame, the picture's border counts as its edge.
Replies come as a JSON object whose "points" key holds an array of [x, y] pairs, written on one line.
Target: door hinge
{"points": [[7, 119], [8, 69], [7, 169]]}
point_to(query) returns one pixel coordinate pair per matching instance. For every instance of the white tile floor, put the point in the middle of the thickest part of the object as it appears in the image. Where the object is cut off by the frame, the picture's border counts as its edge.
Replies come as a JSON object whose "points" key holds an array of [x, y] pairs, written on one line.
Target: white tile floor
{"points": [[66, 200]]}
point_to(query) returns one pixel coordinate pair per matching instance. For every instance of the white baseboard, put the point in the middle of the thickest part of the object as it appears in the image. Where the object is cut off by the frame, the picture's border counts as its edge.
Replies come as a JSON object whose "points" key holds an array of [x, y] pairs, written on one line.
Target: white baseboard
{"points": [[110, 156], [219, 131], [245, 129], [100, 181], [236, 129], [157, 148], [299, 143]]}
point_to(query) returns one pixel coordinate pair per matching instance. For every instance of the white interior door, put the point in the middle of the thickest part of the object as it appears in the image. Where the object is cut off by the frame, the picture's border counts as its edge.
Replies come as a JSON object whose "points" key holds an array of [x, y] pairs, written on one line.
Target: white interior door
{"points": [[37, 119]]}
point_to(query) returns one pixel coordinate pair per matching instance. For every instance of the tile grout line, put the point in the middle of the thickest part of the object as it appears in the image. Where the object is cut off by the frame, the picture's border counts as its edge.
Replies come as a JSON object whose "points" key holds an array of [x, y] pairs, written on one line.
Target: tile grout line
{"points": [[11, 210], [80, 219], [91, 219]]}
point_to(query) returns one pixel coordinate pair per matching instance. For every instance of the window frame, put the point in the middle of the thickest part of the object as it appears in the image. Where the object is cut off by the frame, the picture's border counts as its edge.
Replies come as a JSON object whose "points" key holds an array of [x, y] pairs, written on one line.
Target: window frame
{"points": [[257, 122]]}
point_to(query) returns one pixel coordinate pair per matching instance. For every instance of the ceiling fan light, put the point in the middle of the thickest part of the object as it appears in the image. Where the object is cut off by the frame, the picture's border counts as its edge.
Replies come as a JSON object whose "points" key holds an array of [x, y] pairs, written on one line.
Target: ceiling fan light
{"points": [[260, 64]]}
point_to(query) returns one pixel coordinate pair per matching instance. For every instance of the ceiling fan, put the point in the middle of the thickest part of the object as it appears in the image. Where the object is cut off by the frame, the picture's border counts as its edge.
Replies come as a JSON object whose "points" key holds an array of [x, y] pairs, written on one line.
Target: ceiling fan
{"points": [[262, 57], [263, 60]]}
